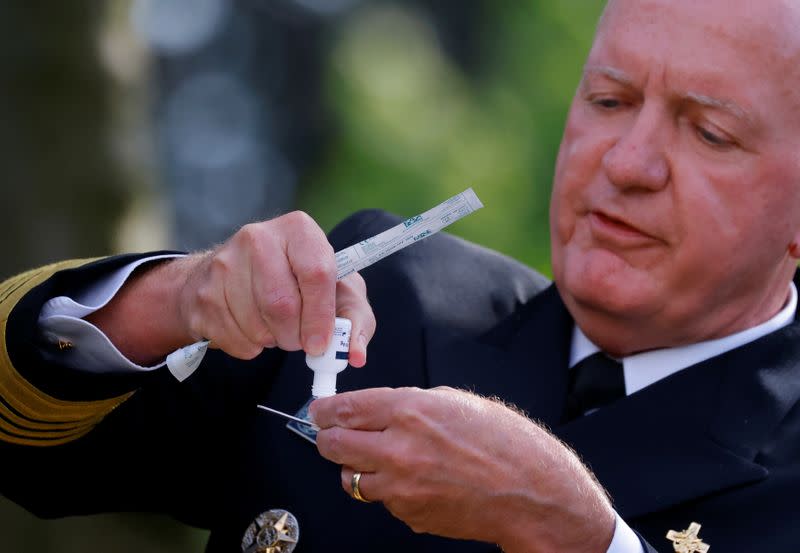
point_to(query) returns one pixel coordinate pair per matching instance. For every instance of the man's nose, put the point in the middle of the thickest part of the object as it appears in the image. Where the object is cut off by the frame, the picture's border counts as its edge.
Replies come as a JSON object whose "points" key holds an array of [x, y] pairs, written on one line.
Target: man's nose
{"points": [[638, 159]]}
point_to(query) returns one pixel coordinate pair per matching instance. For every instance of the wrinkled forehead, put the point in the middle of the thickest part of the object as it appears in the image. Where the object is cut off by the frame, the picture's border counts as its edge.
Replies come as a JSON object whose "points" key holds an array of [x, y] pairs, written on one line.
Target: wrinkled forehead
{"points": [[749, 47], [773, 12], [773, 24], [770, 27]]}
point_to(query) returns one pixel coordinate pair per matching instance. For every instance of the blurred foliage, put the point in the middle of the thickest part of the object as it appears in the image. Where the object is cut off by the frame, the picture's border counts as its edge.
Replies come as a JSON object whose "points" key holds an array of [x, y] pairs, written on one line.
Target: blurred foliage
{"points": [[414, 128], [61, 188]]}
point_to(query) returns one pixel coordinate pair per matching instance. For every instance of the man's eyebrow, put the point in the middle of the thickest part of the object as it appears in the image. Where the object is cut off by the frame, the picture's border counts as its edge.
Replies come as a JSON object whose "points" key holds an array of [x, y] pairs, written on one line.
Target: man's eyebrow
{"points": [[716, 103], [611, 72]]}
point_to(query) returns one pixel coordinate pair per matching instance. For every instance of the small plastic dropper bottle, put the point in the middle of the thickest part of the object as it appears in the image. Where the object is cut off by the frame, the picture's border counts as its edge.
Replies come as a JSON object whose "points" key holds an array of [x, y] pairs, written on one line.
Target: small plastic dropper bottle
{"points": [[332, 362]]}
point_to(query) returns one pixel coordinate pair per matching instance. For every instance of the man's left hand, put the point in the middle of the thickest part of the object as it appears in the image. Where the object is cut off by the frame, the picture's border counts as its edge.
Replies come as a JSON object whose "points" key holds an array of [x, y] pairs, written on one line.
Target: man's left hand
{"points": [[455, 464]]}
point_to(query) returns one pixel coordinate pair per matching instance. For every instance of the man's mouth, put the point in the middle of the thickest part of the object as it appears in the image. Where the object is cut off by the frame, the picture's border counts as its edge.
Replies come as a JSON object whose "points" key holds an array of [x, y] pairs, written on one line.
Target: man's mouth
{"points": [[609, 228]]}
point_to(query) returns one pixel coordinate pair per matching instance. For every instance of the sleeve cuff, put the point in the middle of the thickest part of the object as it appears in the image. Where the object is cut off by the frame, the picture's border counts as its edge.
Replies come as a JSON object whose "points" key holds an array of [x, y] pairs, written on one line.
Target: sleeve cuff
{"points": [[61, 322]]}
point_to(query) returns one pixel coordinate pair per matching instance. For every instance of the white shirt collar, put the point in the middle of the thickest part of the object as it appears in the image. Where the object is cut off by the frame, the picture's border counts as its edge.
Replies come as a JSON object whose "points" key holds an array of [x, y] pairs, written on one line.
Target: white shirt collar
{"points": [[643, 369]]}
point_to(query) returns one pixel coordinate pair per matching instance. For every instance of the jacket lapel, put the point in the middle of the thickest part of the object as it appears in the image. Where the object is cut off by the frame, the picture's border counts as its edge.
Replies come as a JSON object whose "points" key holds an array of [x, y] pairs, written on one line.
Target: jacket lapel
{"points": [[694, 433], [654, 449], [520, 360]]}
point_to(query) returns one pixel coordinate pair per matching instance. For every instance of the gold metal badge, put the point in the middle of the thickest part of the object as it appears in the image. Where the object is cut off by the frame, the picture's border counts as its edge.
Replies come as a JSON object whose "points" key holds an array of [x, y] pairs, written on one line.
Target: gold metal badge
{"points": [[688, 541], [275, 531]]}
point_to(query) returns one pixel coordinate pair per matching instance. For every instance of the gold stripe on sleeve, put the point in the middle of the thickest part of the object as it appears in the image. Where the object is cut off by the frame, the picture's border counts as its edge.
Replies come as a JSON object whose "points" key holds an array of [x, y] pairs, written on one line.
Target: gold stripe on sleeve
{"points": [[28, 416]]}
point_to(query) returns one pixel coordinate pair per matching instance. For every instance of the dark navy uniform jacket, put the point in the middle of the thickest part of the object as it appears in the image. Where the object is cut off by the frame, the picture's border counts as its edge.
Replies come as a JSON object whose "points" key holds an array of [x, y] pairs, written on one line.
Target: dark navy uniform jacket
{"points": [[717, 443]]}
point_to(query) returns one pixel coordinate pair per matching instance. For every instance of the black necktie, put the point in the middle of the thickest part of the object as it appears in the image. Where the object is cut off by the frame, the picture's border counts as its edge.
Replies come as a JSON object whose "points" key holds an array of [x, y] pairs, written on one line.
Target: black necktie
{"points": [[594, 382]]}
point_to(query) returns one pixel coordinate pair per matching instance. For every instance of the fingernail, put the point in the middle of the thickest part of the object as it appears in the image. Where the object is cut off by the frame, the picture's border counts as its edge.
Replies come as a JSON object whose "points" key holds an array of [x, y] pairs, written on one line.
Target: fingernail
{"points": [[315, 345]]}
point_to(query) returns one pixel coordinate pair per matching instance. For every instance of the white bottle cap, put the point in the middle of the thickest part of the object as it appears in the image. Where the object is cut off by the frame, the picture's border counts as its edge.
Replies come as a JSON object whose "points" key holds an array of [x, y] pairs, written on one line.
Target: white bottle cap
{"points": [[333, 361]]}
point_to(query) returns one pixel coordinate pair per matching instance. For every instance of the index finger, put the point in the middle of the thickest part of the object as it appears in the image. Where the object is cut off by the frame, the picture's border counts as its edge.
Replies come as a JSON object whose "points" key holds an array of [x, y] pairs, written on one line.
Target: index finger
{"points": [[369, 409], [352, 303]]}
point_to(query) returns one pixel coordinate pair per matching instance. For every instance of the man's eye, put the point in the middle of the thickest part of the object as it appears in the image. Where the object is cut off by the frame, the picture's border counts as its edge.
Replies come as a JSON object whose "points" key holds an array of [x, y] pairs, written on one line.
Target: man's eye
{"points": [[712, 138], [606, 103]]}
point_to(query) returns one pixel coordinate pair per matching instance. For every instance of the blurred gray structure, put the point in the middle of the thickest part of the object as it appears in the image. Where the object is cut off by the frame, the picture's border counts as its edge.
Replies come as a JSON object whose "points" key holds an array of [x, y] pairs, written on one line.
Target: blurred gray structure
{"points": [[238, 106]]}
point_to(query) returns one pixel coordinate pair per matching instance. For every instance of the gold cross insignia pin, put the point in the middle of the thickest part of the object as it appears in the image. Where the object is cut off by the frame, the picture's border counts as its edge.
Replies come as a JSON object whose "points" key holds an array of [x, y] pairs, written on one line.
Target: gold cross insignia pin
{"points": [[688, 541]]}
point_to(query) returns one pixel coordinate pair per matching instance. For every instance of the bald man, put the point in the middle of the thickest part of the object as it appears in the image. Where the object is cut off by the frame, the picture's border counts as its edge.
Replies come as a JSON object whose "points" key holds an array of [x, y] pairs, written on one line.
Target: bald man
{"points": [[675, 224], [645, 400]]}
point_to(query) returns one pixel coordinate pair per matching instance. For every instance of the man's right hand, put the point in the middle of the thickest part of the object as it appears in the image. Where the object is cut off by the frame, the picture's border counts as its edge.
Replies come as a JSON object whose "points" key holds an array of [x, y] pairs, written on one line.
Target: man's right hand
{"points": [[272, 284]]}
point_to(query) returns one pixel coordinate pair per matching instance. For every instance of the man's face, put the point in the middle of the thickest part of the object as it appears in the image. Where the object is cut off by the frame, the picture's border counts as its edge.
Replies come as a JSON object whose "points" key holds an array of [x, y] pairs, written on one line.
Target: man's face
{"points": [[676, 203]]}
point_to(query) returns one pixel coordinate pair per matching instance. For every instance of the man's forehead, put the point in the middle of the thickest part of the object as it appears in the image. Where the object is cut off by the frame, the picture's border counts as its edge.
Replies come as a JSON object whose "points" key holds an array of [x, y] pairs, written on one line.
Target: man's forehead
{"points": [[714, 47], [774, 22]]}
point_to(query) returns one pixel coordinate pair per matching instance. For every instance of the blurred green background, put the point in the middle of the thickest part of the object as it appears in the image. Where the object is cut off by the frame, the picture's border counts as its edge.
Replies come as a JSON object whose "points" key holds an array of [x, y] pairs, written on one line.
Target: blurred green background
{"points": [[139, 125]]}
